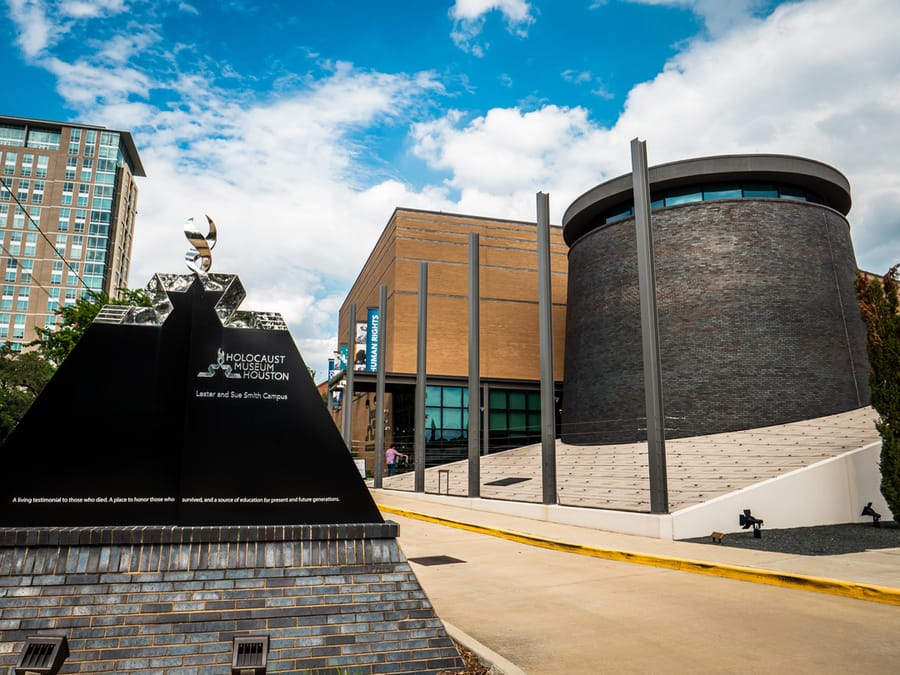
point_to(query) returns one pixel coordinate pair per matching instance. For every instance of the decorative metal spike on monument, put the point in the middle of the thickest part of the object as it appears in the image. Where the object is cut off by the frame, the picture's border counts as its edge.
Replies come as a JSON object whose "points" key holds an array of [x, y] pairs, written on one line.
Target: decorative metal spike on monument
{"points": [[201, 246]]}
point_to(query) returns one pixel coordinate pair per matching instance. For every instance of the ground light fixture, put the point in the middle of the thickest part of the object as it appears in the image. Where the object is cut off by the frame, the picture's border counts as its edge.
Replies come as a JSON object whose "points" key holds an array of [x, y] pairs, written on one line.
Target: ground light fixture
{"points": [[249, 655], [869, 511], [42, 655], [746, 520]]}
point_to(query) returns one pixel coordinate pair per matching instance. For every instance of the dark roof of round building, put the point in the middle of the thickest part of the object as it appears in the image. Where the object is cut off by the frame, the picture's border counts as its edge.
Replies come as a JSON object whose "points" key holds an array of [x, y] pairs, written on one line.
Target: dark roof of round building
{"points": [[817, 177]]}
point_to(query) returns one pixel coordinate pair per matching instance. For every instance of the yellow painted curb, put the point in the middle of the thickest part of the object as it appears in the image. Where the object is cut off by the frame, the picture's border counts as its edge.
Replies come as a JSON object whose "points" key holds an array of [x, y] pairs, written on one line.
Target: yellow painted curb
{"points": [[870, 592]]}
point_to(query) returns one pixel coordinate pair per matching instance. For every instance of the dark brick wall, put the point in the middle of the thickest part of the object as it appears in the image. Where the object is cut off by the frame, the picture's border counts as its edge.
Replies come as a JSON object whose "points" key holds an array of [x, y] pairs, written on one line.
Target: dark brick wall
{"points": [[758, 322], [331, 598]]}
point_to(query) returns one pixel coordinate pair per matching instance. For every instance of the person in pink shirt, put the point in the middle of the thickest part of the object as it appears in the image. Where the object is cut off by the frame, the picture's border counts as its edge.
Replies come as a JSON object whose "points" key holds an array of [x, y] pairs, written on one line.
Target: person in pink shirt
{"points": [[390, 456]]}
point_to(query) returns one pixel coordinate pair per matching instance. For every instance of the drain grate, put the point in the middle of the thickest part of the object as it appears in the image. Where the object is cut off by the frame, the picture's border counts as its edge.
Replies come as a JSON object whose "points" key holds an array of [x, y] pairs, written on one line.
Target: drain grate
{"points": [[250, 654], [42, 655], [436, 560], [507, 481]]}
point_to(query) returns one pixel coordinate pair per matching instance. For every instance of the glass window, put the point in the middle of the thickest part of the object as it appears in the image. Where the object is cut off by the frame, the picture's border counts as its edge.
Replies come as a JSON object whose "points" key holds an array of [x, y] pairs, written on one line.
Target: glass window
{"points": [[10, 135], [9, 165], [497, 399], [87, 170], [433, 418], [24, 186], [452, 418], [19, 327], [760, 191], [27, 165], [497, 420], [432, 396], [43, 161], [15, 243], [27, 270], [685, 197], [62, 223], [714, 192], [517, 400], [71, 165], [453, 397], [44, 140], [788, 192]]}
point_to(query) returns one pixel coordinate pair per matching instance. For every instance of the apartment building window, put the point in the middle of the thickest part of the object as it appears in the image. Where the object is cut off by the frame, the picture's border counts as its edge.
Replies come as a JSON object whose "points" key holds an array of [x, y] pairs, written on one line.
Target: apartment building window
{"points": [[37, 192], [84, 193], [12, 135], [67, 193], [24, 187], [56, 272], [90, 140], [31, 244], [27, 270], [52, 302], [72, 276], [6, 300], [77, 244], [19, 327], [61, 241], [87, 170], [4, 326], [74, 141], [43, 140], [4, 214], [9, 166], [51, 320], [18, 218], [22, 300], [62, 222], [80, 219], [71, 167], [27, 165], [15, 243], [43, 161], [5, 195], [71, 296]]}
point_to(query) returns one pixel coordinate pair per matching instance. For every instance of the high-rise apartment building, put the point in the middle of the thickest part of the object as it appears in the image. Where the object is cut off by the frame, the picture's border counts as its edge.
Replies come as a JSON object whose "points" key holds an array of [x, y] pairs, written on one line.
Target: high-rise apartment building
{"points": [[68, 201]]}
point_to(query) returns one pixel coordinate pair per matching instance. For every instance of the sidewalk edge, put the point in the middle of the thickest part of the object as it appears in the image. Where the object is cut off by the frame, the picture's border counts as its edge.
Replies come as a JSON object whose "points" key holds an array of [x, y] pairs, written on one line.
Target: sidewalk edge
{"points": [[485, 654], [858, 591]]}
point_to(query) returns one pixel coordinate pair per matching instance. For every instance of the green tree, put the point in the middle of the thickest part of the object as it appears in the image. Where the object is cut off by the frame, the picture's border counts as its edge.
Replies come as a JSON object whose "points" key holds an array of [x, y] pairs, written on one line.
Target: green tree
{"points": [[878, 303], [22, 377], [55, 343]]}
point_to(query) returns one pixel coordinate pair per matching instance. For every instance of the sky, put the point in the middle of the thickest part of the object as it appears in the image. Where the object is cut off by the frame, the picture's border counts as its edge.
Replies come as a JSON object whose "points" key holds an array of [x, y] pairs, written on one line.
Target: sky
{"points": [[299, 126]]}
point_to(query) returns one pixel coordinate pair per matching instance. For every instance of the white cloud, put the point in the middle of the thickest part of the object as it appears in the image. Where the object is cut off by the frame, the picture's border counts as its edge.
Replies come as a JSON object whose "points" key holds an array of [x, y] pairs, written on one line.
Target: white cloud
{"points": [[718, 15], [290, 184], [90, 9], [469, 18], [35, 31], [820, 79]]}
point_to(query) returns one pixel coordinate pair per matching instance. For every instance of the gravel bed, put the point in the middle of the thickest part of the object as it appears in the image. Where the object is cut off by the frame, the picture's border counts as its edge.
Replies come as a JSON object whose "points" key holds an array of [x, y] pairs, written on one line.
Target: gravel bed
{"points": [[819, 540]]}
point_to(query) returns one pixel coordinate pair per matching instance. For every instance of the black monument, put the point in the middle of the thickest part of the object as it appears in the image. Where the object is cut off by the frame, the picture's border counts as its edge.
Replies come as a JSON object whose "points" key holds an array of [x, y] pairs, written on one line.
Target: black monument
{"points": [[181, 481]]}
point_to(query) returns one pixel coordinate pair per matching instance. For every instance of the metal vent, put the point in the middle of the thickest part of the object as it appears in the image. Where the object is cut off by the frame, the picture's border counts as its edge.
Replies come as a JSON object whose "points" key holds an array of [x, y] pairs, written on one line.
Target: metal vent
{"points": [[249, 655], [436, 560], [512, 480], [42, 655]]}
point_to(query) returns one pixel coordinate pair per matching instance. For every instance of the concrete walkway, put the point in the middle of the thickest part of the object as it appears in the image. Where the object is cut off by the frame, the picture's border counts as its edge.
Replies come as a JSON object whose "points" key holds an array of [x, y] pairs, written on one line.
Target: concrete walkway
{"points": [[538, 597]]}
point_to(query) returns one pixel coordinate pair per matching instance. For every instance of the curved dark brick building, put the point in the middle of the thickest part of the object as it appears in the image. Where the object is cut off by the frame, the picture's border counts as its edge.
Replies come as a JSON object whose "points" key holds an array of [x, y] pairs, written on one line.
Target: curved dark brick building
{"points": [[758, 318]]}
